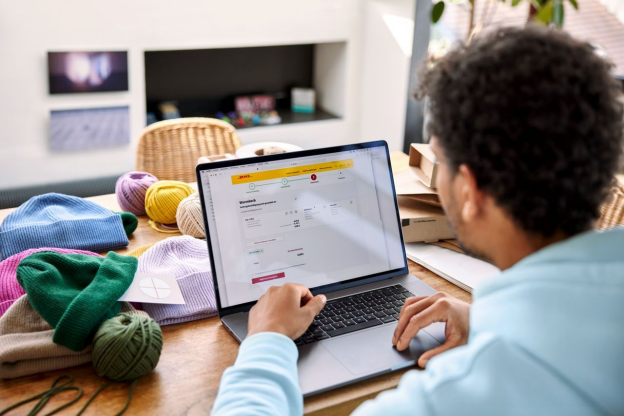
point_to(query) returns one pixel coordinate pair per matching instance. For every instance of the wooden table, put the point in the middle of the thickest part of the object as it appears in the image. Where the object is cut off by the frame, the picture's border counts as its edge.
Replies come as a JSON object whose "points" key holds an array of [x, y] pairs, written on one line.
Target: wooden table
{"points": [[194, 356]]}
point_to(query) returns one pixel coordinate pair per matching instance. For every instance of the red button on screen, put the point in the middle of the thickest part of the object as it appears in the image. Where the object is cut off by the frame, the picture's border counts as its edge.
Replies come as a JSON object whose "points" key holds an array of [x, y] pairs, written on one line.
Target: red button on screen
{"points": [[267, 278]]}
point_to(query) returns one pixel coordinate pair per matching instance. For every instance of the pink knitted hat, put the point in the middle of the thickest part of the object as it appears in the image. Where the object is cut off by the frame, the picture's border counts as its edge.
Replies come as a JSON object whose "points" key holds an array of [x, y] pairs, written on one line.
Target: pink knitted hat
{"points": [[10, 289]]}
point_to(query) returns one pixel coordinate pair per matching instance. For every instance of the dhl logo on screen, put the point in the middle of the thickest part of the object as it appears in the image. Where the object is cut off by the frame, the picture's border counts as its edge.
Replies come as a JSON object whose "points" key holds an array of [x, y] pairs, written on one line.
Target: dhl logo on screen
{"points": [[292, 171]]}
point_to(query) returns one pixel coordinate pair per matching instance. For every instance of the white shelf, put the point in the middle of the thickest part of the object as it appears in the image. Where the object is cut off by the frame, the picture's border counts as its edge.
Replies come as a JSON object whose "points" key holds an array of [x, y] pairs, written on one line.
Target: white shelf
{"points": [[308, 135]]}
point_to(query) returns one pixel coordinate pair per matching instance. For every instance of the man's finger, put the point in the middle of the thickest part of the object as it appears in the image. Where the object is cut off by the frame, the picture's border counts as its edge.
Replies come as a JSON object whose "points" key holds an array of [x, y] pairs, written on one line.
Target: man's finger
{"points": [[305, 298], [411, 307], [415, 324], [303, 292], [415, 306], [410, 301], [422, 361], [315, 305]]}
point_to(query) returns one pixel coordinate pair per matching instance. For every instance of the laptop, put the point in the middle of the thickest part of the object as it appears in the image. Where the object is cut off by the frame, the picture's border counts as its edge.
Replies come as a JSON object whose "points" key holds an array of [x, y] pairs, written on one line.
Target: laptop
{"points": [[328, 219]]}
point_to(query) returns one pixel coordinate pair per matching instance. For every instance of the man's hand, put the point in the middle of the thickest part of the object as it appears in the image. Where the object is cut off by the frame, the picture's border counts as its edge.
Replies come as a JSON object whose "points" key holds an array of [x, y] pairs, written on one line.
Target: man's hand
{"points": [[288, 310], [421, 311]]}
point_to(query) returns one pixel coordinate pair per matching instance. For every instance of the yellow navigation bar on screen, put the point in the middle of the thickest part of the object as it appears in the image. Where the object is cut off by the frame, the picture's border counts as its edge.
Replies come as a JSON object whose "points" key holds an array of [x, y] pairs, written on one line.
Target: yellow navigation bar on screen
{"points": [[292, 171]]}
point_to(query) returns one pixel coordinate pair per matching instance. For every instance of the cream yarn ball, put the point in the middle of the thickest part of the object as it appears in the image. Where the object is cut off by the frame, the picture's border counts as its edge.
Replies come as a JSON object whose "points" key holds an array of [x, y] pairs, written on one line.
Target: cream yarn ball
{"points": [[189, 216]]}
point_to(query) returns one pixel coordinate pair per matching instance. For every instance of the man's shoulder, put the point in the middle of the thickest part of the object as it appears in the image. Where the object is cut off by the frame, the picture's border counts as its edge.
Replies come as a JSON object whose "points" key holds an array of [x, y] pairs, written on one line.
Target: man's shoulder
{"points": [[589, 260]]}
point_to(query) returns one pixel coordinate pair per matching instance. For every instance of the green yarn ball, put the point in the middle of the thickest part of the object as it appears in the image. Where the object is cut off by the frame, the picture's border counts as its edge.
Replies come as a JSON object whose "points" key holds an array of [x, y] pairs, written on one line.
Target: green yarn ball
{"points": [[127, 347]]}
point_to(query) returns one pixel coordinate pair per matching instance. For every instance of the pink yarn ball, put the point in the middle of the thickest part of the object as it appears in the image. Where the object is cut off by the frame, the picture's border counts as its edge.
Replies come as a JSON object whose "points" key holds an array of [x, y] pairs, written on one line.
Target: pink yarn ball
{"points": [[130, 190]]}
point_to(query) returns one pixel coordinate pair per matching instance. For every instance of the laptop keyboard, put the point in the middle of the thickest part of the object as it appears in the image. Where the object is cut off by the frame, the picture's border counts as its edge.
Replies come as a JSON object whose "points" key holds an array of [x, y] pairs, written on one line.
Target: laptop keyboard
{"points": [[355, 313]]}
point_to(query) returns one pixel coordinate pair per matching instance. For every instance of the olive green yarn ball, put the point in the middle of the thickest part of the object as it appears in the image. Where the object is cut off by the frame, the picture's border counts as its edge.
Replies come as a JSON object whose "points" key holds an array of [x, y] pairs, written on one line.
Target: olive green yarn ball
{"points": [[127, 347]]}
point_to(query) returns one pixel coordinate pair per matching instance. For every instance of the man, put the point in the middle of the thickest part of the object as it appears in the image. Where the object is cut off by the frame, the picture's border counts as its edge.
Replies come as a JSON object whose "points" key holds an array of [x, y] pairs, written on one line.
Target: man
{"points": [[527, 128]]}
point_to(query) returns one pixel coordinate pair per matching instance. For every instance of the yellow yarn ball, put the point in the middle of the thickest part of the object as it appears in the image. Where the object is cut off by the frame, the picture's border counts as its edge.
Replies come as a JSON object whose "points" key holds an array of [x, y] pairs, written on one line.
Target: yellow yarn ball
{"points": [[189, 217], [162, 200]]}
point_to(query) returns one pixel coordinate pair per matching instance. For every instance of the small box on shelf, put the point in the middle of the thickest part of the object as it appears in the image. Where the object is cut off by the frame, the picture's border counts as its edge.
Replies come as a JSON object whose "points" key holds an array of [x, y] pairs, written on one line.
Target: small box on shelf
{"points": [[303, 100]]}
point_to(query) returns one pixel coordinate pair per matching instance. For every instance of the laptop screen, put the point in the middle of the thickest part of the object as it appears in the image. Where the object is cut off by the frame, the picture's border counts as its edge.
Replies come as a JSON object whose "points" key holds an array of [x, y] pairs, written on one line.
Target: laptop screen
{"points": [[315, 220]]}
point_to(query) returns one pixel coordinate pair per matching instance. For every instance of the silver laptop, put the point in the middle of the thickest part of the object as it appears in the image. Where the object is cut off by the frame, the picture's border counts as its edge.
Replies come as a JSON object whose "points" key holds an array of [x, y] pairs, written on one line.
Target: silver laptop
{"points": [[326, 218]]}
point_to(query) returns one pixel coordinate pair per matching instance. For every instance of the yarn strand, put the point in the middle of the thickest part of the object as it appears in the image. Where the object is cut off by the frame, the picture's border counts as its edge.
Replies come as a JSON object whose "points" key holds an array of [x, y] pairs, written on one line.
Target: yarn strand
{"points": [[54, 390], [154, 225], [104, 387], [45, 396]]}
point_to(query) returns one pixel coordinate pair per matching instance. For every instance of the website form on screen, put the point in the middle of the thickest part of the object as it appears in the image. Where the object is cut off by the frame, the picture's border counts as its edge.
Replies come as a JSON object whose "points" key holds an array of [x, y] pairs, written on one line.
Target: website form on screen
{"points": [[312, 220]]}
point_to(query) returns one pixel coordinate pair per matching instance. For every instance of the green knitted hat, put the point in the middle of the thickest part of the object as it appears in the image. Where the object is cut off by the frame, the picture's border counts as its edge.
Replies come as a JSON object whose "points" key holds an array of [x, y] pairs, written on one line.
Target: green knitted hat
{"points": [[129, 220], [75, 293]]}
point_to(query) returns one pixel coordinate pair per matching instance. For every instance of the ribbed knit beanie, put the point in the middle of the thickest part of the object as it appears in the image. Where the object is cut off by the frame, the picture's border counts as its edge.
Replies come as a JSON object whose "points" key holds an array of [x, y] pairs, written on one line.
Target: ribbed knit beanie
{"points": [[187, 259], [55, 220], [10, 289], [26, 345], [75, 293], [129, 220]]}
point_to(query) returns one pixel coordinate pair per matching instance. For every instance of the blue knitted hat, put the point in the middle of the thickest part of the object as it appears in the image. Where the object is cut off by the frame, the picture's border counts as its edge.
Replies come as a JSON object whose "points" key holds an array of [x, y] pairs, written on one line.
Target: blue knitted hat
{"points": [[55, 220]]}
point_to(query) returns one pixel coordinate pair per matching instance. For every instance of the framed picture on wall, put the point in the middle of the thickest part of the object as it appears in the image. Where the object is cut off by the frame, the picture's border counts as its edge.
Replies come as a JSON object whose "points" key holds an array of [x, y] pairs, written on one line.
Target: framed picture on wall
{"points": [[79, 72], [91, 128]]}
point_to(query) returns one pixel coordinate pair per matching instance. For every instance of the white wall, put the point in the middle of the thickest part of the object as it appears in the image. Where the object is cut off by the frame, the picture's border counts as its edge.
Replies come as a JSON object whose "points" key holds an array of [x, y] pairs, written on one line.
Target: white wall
{"points": [[387, 50], [375, 74], [616, 7]]}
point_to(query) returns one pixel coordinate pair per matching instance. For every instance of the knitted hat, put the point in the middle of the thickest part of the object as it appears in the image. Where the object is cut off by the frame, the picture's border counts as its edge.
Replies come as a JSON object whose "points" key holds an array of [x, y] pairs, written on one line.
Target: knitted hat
{"points": [[26, 345], [75, 293], [10, 289], [129, 220], [55, 220], [187, 259]]}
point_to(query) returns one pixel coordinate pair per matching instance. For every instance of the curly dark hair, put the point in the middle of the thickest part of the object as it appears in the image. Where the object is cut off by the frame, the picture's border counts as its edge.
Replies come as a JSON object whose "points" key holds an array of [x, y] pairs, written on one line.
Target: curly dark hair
{"points": [[535, 114]]}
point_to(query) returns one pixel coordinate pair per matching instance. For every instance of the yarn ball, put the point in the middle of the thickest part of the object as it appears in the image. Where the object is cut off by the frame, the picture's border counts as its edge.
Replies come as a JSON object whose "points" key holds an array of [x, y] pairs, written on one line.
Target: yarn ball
{"points": [[190, 218], [162, 200], [127, 347], [130, 190]]}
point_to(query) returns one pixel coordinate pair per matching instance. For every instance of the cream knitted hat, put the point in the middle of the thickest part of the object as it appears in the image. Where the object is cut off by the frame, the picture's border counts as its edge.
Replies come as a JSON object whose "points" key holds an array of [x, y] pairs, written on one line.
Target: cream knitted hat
{"points": [[187, 259], [26, 345]]}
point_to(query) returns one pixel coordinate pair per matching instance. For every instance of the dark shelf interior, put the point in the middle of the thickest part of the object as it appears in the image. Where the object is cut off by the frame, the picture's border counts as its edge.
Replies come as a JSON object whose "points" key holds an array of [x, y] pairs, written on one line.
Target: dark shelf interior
{"points": [[206, 81]]}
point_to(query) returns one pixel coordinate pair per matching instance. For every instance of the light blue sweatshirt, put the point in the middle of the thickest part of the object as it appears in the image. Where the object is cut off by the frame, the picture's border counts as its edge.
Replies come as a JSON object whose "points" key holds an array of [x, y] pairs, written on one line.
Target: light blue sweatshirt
{"points": [[546, 338]]}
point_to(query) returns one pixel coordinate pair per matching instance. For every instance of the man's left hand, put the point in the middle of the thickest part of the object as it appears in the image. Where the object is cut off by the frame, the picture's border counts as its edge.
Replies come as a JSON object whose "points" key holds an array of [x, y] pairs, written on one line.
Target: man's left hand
{"points": [[421, 311]]}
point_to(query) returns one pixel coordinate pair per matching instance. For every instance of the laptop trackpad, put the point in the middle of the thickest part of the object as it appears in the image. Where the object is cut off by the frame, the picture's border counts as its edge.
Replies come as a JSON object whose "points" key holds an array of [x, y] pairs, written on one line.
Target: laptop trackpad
{"points": [[368, 351]]}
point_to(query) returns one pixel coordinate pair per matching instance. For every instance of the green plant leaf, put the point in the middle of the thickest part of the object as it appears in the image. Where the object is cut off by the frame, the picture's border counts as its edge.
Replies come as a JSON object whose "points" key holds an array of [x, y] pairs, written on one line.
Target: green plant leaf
{"points": [[558, 13], [545, 14], [514, 3], [574, 4], [436, 11]]}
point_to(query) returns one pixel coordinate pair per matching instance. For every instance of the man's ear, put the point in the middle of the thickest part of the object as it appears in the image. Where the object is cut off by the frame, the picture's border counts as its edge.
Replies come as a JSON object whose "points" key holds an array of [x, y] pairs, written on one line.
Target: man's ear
{"points": [[470, 195]]}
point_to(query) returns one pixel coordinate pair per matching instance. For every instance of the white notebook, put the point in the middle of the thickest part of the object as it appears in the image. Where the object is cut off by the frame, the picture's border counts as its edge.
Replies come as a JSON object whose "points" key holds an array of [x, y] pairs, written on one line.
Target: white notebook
{"points": [[459, 269]]}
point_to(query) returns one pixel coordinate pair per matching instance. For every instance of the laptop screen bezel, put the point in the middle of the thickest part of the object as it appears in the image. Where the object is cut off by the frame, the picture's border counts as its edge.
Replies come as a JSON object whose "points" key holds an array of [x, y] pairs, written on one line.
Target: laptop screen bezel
{"points": [[358, 281]]}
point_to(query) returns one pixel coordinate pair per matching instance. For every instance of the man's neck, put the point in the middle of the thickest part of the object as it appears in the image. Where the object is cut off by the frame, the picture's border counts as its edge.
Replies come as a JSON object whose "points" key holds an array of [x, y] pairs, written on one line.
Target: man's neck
{"points": [[510, 250], [516, 250]]}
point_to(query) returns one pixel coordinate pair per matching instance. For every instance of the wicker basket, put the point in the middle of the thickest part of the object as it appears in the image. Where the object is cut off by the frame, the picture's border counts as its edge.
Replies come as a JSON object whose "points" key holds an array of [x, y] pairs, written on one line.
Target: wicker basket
{"points": [[612, 210], [169, 149]]}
